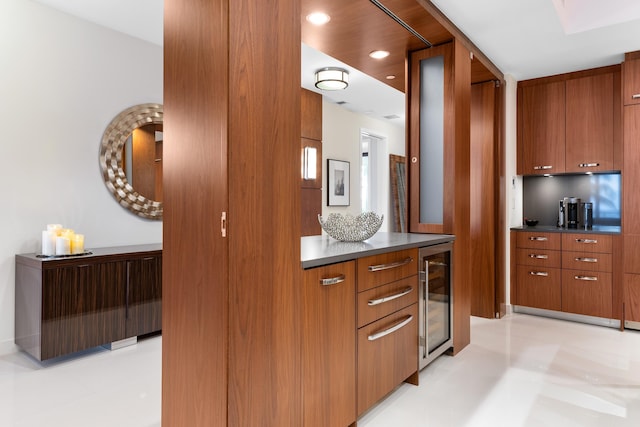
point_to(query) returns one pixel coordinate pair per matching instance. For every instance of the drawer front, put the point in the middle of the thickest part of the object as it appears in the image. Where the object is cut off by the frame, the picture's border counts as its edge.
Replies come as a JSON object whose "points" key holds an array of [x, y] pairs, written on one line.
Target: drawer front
{"points": [[540, 240], [380, 269], [385, 361], [586, 242], [588, 261], [379, 302], [539, 288], [587, 292], [538, 257]]}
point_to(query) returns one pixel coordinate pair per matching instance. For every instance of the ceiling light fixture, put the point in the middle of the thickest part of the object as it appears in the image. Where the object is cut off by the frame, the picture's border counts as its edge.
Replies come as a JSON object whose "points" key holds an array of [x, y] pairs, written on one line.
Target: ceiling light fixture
{"points": [[332, 78], [379, 54], [318, 18]]}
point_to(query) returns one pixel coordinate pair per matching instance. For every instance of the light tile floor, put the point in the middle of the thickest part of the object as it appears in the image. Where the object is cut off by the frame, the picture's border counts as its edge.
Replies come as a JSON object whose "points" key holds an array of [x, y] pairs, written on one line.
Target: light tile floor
{"points": [[519, 371]]}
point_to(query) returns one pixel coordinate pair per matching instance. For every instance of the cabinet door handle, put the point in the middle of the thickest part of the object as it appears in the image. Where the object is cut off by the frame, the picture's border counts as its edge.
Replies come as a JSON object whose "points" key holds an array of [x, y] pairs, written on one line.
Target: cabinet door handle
{"points": [[332, 280], [538, 256], [636, 96], [391, 265], [581, 259], [392, 329], [586, 241], [538, 239], [589, 165], [539, 273], [586, 278], [378, 301], [545, 167]]}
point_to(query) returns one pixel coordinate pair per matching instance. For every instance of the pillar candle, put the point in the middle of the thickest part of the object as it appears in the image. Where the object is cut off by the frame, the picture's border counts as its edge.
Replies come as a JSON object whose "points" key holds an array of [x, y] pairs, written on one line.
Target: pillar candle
{"points": [[55, 228], [77, 244], [48, 242], [63, 245]]}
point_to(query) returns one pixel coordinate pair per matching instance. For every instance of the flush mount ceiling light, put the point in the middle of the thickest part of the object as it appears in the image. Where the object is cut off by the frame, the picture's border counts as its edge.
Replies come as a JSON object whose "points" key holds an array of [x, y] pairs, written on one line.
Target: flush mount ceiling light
{"points": [[379, 54], [318, 18], [332, 78]]}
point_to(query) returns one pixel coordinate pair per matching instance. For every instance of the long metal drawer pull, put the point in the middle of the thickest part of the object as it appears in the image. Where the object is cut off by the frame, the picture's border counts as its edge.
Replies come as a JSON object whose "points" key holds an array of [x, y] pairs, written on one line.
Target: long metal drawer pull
{"points": [[378, 301], [538, 239], [545, 167], [332, 280], [587, 278], [391, 265], [538, 256], [392, 329], [581, 259], [586, 240], [539, 273], [589, 165], [636, 96]]}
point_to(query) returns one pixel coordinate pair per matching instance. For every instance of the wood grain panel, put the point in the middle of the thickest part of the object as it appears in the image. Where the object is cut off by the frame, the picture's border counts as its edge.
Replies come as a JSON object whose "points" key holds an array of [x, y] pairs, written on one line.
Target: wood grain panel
{"points": [[539, 291], [311, 207], [368, 313], [483, 200], [587, 292], [264, 206], [329, 347], [539, 240], [587, 261], [541, 258], [631, 83], [631, 253], [631, 287], [401, 264], [617, 287], [396, 352], [144, 296], [589, 123], [195, 259], [631, 171], [587, 242], [311, 118], [541, 128]]}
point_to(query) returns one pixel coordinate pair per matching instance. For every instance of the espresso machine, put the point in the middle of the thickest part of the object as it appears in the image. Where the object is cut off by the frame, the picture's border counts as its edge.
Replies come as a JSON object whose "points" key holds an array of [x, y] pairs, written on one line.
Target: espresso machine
{"points": [[574, 214], [572, 209]]}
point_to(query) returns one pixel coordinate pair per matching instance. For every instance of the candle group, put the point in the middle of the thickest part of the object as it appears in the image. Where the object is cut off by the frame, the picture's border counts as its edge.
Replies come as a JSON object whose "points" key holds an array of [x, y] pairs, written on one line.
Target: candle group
{"points": [[61, 241]]}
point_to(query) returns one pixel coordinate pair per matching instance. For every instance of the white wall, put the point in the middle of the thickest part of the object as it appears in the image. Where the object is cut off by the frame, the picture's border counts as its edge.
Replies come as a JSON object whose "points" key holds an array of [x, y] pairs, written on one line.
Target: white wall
{"points": [[341, 141], [62, 80]]}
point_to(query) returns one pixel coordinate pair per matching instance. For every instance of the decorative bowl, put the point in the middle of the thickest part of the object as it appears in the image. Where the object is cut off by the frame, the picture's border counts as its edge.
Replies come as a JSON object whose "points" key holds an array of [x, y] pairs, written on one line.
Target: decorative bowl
{"points": [[348, 228], [531, 222]]}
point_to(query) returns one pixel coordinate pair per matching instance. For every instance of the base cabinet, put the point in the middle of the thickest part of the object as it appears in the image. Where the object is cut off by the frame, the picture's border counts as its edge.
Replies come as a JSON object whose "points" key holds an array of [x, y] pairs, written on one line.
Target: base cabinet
{"points": [[67, 305]]}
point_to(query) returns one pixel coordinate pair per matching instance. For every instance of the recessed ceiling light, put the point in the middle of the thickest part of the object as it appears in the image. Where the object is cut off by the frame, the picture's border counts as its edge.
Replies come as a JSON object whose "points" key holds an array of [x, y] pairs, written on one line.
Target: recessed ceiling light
{"points": [[390, 77], [318, 18], [379, 54]]}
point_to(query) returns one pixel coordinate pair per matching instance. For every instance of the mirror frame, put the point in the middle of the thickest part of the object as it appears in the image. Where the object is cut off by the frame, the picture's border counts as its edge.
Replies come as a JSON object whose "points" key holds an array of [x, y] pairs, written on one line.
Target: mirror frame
{"points": [[111, 158]]}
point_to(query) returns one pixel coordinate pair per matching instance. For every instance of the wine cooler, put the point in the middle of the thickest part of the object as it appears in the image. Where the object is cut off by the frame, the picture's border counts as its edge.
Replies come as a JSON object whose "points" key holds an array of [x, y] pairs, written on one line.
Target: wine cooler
{"points": [[435, 302]]}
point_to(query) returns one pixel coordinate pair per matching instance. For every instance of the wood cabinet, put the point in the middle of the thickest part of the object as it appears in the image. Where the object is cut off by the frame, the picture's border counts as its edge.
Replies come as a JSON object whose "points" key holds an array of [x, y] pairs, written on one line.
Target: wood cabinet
{"points": [[541, 128], [311, 126], [388, 324], [65, 305], [569, 123], [631, 83], [569, 272], [329, 345]]}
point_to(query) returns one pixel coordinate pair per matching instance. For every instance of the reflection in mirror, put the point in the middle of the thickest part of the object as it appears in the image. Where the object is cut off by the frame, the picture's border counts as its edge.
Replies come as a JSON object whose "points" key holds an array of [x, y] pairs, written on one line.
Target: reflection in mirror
{"points": [[397, 165], [141, 122], [142, 161]]}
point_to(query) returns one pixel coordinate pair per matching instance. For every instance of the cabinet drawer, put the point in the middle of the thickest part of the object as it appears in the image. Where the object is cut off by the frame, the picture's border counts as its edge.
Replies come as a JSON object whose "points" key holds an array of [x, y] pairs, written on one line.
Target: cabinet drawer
{"points": [[384, 361], [539, 287], [539, 240], [379, 302], [538, 257], [587, 292], [589, 261], [586, 242], [377, 270]]}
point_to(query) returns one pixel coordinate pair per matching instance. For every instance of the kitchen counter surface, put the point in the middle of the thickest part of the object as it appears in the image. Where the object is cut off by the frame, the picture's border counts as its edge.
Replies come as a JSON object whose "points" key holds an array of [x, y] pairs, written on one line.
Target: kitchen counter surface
{"points": [[323, 250], [597, 229]]}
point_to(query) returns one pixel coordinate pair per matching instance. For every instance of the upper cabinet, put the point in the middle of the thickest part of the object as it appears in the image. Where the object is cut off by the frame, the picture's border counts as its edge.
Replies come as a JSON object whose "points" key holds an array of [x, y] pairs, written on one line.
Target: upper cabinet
{"points": [[567, 123], [631, 88]]}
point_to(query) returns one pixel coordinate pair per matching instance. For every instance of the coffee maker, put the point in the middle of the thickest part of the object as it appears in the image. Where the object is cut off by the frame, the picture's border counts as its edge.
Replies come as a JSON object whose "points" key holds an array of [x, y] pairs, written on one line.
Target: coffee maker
{"points": [[572, 209]]}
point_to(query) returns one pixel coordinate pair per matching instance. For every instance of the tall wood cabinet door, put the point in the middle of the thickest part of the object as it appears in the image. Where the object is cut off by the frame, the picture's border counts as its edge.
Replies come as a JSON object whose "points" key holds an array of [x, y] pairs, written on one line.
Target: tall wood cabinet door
{"points": [[329, 346], [541, 129], [83, 306], [589, 123], [631, 83], [631, 283], [144, 296], [631, 171]]}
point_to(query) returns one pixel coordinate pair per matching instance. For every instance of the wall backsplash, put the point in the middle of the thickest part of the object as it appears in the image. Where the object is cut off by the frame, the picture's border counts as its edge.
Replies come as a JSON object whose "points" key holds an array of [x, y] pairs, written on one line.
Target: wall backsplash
{"points": [[541, 196]]}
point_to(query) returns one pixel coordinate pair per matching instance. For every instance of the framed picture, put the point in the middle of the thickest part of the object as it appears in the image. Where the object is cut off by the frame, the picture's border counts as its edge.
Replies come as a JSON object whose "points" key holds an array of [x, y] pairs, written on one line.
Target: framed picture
{"points": [[337, 183]]}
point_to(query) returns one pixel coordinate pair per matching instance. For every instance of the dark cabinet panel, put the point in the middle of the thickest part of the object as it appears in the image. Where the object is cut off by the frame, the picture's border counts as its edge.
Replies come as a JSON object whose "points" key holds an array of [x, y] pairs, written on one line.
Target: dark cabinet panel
{"points": [[144, 296]]}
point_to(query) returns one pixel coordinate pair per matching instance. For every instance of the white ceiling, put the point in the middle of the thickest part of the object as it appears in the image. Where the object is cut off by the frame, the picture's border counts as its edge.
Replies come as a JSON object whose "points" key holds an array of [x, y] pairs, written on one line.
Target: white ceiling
{"points": [[523, 38]]}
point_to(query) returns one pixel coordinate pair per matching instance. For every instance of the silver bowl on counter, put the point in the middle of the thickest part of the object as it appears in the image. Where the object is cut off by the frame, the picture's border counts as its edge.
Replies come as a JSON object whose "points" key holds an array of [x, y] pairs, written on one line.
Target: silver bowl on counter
{"points": [[349, 228]]}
